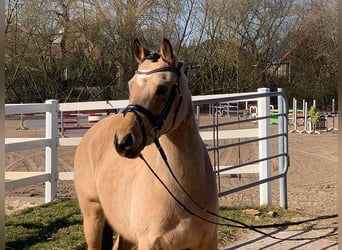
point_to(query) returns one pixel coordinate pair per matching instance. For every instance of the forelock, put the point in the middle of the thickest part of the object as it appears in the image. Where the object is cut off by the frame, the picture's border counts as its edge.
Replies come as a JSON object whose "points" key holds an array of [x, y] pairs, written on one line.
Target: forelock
{"points": [[153, 56]]}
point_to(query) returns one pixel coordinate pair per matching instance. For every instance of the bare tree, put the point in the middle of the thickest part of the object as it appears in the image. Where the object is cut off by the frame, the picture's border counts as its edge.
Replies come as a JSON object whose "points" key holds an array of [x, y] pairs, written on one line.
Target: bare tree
{"points": [[81, 49], [314, 63]]}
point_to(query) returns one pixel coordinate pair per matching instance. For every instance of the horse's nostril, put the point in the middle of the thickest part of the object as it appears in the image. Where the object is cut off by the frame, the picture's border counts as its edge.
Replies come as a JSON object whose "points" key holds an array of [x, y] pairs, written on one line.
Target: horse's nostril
{"points": [[124, 144], [127, 141]]}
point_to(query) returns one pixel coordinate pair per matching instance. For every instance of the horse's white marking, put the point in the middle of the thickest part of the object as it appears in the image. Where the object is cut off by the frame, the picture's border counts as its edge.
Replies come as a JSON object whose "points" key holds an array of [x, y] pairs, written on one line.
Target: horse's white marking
{"points": [[142, 79]]}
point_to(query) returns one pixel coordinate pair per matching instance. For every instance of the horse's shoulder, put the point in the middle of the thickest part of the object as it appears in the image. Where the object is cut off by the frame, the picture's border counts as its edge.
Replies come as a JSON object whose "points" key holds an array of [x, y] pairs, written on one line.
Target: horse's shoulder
{"points": [[110, 123], [102, 130]]}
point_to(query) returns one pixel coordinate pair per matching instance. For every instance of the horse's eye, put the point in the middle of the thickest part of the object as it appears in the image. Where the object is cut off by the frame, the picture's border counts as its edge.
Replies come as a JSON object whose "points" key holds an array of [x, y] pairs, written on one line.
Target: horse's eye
{"points": [[162, 90]]}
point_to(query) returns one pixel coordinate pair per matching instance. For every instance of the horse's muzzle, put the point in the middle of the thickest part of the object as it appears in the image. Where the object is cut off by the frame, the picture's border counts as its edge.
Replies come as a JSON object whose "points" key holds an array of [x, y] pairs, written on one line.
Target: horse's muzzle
{"points": [[125, 146]]}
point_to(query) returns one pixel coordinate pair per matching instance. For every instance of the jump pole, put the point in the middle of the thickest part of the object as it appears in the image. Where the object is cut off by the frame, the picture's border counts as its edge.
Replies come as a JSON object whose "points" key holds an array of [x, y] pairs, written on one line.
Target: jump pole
{"points": [[305, 113], [198, 112], [333, 106], [294, 116], [333, 115], [22, 126]]}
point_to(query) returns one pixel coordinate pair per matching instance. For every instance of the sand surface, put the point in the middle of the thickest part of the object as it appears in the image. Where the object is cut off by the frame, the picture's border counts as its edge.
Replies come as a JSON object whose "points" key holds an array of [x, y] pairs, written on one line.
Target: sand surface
{"points": [[312, 175]]}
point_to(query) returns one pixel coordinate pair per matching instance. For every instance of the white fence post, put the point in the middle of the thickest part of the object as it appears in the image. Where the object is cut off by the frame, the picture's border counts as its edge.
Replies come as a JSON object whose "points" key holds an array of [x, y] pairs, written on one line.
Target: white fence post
{"points": [[51, 151], [264, 147]]}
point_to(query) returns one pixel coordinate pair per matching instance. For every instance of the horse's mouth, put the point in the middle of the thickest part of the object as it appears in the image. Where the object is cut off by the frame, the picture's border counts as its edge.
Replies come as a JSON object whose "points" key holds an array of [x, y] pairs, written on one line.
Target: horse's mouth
{"points": [[131, 154]]}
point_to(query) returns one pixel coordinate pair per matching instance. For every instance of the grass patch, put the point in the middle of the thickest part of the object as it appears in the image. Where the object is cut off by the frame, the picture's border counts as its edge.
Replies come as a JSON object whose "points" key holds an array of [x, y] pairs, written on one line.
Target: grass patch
{"points": [[58, 225]]}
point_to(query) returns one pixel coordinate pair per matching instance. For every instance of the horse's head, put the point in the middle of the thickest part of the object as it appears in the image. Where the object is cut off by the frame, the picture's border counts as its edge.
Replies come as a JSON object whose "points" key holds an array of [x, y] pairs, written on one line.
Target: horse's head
{"points": [[156, 100]]}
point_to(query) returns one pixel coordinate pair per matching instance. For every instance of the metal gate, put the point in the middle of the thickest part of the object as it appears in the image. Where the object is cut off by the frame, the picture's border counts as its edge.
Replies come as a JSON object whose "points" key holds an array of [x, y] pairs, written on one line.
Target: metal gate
{"points": [[227, 135]]}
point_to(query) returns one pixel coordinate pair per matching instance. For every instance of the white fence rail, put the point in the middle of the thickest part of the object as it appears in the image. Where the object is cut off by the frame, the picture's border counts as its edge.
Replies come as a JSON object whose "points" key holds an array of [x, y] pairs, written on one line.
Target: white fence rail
{"points": [[52, 139]]}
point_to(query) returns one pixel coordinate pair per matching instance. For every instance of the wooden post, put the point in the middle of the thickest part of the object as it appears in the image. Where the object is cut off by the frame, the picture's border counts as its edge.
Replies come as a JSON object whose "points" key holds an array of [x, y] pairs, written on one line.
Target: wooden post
{"points": [[51, 150], [264, 147]]}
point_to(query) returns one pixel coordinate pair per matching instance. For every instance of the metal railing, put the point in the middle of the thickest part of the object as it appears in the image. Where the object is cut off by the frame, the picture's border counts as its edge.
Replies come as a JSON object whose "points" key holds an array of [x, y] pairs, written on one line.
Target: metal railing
{"points": [[223, 139]]}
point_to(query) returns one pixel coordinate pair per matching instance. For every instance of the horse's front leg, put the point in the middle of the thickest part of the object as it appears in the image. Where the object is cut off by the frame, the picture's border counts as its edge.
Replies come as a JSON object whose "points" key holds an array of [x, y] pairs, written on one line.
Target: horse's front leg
{"points": [[122, 244], [93, 223], [209, 244]]}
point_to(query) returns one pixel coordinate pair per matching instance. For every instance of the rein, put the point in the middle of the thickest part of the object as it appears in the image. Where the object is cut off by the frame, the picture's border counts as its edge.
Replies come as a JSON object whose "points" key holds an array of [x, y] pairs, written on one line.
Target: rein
{"points": [[240, 224]]}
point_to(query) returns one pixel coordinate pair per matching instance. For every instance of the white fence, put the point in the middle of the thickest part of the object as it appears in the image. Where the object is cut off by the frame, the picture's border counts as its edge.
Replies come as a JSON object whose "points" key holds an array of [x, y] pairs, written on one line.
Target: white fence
{"points": [[52, 139]]}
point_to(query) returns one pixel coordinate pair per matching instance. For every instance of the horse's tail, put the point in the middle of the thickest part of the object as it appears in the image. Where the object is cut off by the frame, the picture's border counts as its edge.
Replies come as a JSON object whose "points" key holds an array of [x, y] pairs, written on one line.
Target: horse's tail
{"points": [[107, 237]]}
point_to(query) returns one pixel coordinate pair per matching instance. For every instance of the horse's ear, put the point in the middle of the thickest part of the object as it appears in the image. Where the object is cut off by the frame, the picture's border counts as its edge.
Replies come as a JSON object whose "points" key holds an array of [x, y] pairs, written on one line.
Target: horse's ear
{"points": [[139, 50], [166, 52]]}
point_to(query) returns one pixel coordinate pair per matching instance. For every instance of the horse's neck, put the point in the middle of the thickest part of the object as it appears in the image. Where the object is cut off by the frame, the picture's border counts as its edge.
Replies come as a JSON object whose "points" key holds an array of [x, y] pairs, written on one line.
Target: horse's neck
{"points": [[184, 146]]}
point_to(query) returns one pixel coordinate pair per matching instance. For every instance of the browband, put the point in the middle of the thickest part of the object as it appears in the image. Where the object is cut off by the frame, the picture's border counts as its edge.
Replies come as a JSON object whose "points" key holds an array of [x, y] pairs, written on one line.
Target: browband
{"points": [[167, 68]]}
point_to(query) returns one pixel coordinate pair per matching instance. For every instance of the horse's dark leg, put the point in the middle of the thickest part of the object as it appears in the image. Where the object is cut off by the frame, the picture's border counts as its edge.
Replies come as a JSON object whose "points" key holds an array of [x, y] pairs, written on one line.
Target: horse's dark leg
{"points": [[122, 244], [107, 237]]}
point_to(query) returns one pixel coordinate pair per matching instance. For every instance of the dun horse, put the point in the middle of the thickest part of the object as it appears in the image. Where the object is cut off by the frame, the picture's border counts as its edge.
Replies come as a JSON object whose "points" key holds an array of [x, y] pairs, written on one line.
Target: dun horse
{"points": [[115, 186]]}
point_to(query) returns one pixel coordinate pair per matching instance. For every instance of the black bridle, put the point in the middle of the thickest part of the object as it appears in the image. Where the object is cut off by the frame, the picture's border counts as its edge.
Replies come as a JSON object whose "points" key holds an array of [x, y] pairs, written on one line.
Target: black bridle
{"points": [[157, 121]]}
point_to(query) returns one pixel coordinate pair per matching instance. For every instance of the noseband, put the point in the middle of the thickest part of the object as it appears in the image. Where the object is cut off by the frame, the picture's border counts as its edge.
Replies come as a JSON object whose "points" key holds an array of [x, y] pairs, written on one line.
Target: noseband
{"points": [[157, 121]]}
